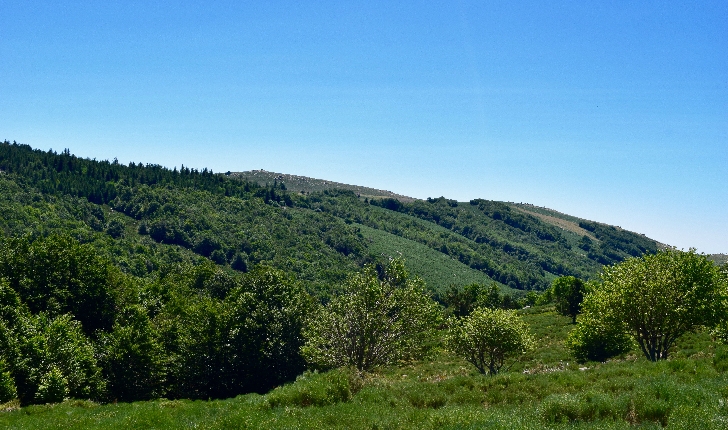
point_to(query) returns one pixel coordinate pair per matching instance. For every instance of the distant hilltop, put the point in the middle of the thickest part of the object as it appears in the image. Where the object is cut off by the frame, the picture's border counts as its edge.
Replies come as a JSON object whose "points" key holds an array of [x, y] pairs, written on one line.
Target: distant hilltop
{"points": [[305, 185]]}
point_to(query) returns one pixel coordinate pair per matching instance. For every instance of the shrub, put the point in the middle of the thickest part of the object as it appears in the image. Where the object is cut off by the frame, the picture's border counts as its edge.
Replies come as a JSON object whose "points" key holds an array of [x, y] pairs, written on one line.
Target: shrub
{"points": [[131, 357], [568, 293], [317, 389], [660, 297], [374, 322], [53, 387], [596, 340], [38, 345], [487, 338]]}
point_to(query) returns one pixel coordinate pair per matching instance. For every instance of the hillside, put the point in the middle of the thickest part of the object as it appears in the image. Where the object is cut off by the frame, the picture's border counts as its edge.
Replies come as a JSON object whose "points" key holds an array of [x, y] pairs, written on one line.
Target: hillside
{"points": [[306, 185], [314, 236], [125, 283]]}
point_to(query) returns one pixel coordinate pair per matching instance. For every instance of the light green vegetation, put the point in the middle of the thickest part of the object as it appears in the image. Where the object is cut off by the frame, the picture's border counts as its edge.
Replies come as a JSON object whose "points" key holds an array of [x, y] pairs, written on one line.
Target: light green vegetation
{"points": [[547, 390], [438, 270]]}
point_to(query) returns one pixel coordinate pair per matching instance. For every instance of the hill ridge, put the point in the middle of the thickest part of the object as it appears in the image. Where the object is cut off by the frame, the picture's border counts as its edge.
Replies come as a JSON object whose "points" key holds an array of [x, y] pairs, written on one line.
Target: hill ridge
{"points": [[299, 183]]}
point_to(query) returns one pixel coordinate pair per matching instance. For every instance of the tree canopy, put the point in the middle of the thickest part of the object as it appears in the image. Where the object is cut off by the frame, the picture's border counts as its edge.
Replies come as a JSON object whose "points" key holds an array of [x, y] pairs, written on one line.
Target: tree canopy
{"points": [[568, 293], [658, 298]]}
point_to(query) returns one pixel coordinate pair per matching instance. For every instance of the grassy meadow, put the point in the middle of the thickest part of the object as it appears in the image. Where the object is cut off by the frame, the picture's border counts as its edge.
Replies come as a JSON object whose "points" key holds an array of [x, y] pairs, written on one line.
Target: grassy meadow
{"points": [[546, 389], [438, 270]]}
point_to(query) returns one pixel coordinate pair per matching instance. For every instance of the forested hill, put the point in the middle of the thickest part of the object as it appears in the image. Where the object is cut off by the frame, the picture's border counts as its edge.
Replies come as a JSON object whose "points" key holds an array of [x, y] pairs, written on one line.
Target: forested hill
{"points": [[146, 217]]}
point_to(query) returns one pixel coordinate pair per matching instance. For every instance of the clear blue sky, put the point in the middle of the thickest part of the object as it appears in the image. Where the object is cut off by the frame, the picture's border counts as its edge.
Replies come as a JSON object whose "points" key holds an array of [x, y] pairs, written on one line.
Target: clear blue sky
{"points": [[611, 111]]}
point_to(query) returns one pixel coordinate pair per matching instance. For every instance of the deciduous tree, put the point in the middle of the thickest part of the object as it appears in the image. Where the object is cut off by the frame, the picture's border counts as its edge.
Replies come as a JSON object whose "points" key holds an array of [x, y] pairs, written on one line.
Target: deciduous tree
{"points": [[373, 322]]}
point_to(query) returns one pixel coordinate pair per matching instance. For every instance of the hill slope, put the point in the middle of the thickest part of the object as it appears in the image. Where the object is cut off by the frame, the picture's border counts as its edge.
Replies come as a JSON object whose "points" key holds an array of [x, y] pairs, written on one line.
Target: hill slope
{"points": [[319, 236], [307, 185]]}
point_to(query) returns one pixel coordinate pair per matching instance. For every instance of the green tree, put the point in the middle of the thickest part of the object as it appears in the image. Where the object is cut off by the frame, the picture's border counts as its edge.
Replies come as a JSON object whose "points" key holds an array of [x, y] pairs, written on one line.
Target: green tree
{"points": [[373, 322], [488, 338], [131, 357], [657, 298], [37, 345], [568, 293], [599, 335], [58, 275]]}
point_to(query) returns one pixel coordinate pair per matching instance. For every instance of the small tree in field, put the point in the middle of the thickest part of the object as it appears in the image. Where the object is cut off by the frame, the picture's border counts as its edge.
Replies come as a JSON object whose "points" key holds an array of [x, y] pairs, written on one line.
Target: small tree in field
{"points": [[568, 293], [487, 338], [658, 298], [373, 322]]}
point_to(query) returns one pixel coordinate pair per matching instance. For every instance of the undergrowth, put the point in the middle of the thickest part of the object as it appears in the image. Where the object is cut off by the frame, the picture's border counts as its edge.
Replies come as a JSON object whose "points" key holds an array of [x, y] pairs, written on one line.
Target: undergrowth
{"points": [[547, 390]]}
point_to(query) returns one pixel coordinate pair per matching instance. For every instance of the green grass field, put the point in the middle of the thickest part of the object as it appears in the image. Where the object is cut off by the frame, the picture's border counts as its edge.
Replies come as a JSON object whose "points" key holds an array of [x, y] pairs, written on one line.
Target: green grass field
{"points": [[546, 390], [438, 270]]}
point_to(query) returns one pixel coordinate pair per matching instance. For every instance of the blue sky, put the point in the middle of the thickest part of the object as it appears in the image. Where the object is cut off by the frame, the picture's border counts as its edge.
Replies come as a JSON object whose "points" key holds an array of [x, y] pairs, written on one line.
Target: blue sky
{"points": [[611, 111]]}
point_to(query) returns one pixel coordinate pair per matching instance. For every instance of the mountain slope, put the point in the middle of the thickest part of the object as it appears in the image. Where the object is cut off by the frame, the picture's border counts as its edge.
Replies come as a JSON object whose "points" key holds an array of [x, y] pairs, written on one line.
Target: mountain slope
{"points": [[308, 185], [319, 236]]}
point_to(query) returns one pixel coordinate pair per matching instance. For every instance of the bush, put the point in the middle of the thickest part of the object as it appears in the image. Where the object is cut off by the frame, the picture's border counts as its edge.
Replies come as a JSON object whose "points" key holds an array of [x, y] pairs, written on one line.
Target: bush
{"points": [[596, 340], [317, 389], [374, 322], [53, 387], [487, 338], [660, 297], [131, 357], [40, 344]]}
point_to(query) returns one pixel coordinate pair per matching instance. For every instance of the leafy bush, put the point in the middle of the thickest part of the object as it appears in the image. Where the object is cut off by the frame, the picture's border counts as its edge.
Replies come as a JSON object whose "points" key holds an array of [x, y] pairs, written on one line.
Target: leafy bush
{"points": [[373, 322], [597, 340], [568, 293], [53, 387], [487, 338], [38, 344], [131, 357], [660, 297]]}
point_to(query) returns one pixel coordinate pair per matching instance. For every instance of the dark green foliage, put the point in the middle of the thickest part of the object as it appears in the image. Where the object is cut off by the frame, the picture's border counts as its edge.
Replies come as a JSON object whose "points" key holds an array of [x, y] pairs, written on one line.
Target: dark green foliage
{"points": [[115, 228], [7, 384], [462, 301], [239, 263], [58, 275], [208, 212], [247, 342], [596, 340], [267, 314], [131, 357], [568, 293], [130, 282]]}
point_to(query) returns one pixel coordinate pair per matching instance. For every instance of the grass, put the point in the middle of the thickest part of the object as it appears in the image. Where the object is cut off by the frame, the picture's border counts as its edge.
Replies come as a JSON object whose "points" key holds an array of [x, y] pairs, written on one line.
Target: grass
{"points": [[546, 390], [438, 270]]}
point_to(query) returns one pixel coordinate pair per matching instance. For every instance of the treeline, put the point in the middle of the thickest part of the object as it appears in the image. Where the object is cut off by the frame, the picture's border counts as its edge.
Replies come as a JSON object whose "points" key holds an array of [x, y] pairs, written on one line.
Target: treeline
{"points": [[72, 325], [64, 173]]}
